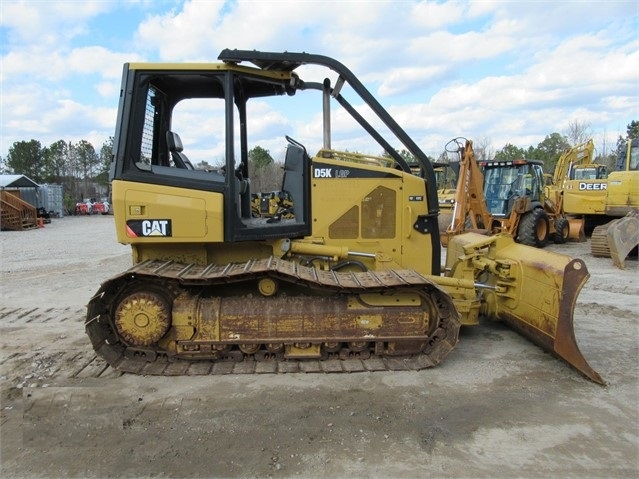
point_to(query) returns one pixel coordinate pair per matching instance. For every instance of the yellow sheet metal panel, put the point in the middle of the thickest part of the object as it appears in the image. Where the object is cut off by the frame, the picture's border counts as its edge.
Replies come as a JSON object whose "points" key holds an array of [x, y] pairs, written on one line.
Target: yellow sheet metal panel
{"points": [[146, 213], [585, 197], [623, 193]]}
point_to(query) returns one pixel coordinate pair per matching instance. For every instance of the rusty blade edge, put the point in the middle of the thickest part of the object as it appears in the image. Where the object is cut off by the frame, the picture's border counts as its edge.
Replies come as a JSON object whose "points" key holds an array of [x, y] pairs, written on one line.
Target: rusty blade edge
{"points": [[575, 276], [563, 345]]}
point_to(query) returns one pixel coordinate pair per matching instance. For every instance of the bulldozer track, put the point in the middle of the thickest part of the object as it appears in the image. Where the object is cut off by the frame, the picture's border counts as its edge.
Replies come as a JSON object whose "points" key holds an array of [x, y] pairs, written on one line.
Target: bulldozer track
{"points": [[177, 276]]}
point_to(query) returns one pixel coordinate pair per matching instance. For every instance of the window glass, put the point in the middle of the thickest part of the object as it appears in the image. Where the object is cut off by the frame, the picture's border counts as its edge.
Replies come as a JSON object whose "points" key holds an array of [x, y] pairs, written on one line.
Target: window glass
{"points": [[634, 158], [146, 151], [199, 123]]}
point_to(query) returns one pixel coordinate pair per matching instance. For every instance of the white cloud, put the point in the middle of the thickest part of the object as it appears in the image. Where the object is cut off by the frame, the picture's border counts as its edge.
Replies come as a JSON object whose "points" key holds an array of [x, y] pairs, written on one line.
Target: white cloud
{"points": [[434, 16], [457, 48], [48, 23], [107, 89], [511, 71], [32, 63], [96, 59], [47, 116], [402, 80]]}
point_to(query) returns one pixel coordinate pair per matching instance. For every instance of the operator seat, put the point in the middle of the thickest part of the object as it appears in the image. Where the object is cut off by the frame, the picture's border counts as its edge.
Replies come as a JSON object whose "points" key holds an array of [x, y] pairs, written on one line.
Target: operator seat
{"points": [[295, 166], [175, 147]]}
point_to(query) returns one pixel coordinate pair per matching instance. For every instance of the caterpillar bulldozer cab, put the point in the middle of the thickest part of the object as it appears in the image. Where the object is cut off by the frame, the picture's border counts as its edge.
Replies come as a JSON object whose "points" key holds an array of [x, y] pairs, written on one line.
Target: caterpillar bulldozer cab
{"points": [[351, 279]]}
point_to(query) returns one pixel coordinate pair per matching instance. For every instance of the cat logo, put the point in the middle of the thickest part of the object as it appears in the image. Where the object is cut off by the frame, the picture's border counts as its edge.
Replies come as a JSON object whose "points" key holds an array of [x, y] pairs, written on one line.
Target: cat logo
{"points": [[154, 228], [148, 228]]}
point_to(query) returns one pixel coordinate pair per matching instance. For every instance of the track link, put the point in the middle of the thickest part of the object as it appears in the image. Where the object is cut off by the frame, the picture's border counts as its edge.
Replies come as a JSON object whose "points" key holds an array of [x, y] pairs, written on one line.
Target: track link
{"points": [[599, 246], [180, 277]]}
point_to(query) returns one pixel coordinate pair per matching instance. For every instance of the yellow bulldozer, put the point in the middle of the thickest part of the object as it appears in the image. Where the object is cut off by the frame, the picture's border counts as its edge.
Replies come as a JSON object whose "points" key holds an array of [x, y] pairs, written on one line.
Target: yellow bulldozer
{"points": [[352, 281]]}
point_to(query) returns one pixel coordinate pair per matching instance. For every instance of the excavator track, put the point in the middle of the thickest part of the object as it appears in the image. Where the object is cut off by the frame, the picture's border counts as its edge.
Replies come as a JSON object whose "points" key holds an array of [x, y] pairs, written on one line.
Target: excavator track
{"points": [[616, 239], [167, 318], [599, 246]]}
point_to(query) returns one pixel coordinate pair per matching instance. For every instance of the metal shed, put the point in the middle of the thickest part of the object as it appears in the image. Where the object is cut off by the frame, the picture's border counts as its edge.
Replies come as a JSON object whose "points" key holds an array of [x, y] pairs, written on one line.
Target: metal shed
{"points": [[18, 202]]}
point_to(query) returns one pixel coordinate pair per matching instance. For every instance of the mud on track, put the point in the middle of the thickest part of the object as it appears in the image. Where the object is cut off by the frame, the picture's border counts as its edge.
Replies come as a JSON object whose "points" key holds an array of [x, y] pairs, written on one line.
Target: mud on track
{"points": [[497, 406]]}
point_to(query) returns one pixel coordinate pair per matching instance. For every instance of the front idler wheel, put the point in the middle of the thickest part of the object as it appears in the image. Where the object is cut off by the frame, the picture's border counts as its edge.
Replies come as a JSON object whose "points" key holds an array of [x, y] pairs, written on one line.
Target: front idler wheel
{"points": [[142, 318]]}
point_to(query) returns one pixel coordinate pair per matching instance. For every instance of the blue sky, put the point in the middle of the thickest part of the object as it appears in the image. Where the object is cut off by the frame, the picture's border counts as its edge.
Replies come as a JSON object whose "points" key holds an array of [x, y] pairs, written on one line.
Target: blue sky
{"points": [[496, 72]]}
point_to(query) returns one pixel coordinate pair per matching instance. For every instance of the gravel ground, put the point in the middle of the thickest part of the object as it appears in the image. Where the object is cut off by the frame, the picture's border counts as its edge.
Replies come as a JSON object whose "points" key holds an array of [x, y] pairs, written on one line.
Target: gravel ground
{"points": [[498, 406]]}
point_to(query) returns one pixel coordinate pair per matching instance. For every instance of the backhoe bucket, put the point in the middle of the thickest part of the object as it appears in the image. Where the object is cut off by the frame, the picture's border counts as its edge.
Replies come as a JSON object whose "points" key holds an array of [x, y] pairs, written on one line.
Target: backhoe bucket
{"points": [[623, 236], [534, 291]]}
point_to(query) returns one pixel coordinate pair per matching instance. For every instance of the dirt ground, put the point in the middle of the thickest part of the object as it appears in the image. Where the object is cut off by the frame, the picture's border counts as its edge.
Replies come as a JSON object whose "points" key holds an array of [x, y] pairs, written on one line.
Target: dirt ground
{"points": [[498, 406]]}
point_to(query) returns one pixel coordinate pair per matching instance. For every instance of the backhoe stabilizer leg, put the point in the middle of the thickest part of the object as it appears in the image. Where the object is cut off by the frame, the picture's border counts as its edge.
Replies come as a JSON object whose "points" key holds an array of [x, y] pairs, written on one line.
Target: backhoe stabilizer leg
{"points": [[533, 291]]}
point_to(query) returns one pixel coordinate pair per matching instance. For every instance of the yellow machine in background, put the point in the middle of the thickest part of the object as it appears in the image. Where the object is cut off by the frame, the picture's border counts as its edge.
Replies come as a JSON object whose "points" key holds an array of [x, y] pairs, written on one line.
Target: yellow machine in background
{"points": [[272, 204], [592, 194], [446, 174], [507, 197], [351, 280], [589, 190], [575, 162]]}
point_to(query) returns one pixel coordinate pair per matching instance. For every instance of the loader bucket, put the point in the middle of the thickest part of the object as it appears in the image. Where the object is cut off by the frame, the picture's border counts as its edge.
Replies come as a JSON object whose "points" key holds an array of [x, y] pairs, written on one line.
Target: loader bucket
{"points": [[533, 291], [576, 230]]}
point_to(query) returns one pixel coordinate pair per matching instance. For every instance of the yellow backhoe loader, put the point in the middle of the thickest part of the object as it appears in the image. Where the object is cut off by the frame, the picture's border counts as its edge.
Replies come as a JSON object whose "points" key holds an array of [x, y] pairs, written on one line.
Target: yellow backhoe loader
{"points": [[507, 197], [353, 281]]}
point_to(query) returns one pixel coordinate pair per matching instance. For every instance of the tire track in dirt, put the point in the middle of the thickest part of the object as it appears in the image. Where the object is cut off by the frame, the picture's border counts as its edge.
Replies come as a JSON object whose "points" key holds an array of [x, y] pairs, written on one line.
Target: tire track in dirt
{"points": [[52, 352]]}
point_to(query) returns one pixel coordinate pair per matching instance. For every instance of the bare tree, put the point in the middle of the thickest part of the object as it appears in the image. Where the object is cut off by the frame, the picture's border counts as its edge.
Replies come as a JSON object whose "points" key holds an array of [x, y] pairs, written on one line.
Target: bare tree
{"points": [[267, 178], [483, 149], [578, 132]]}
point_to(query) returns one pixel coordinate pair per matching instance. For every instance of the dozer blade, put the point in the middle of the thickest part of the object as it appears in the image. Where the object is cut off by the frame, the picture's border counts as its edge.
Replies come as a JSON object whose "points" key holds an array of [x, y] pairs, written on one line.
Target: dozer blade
{"points": [[531, 290]]}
